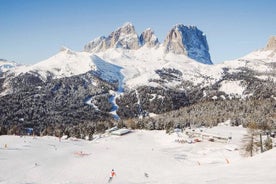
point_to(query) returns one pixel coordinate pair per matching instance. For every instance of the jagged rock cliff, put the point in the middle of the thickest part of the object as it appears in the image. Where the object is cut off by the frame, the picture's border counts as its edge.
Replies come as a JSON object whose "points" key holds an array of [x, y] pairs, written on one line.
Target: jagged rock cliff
{"points": [[190, 41], [124, 37], [271, 45], [184, 40], [148, 38]]}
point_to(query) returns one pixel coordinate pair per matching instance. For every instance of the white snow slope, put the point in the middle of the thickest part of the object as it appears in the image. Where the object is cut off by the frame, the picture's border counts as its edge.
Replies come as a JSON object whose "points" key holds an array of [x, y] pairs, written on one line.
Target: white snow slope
{"points": [[138, 157]]}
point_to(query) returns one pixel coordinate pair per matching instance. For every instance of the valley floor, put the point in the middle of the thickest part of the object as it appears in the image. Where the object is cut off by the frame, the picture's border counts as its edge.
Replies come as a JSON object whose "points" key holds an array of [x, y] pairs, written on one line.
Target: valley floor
{"points": [[138, 157]]}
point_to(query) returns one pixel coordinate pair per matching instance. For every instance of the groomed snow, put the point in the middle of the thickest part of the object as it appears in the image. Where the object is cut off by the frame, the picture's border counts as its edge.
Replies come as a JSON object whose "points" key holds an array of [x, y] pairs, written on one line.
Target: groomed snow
{"points": [[138, 157]]}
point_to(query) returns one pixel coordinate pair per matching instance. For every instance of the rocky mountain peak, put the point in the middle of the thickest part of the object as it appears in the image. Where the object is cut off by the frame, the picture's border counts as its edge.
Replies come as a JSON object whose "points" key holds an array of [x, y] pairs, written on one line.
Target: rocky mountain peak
{"points": [[124, 37], [271, 45], [127, 28], [148, 38], [188, 40]]}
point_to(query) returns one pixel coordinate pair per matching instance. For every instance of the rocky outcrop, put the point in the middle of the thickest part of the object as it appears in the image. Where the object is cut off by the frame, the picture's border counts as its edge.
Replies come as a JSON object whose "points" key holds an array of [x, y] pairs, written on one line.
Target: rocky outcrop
{"points": [[148, 38], [96, 45], [174, 42], [124, 37], [271, 45], [188, 40]]}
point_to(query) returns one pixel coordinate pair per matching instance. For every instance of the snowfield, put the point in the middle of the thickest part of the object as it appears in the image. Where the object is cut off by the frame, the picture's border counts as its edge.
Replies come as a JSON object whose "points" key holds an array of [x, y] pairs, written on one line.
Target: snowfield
{"points": [[139, 157]]}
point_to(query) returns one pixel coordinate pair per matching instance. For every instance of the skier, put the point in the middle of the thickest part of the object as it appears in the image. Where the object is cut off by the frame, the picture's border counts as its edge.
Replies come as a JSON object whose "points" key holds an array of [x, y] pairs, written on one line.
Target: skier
{"points": [[112, 174]]}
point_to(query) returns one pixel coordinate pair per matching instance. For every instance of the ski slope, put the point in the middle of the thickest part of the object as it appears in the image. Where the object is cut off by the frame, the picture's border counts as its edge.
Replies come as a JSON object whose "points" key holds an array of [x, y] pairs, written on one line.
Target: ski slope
{"points": [[139, 157]]}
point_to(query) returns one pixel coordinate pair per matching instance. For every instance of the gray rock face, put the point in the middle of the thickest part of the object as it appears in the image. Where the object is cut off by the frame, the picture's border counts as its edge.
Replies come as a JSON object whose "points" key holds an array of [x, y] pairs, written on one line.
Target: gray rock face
{"points": [[174, 42], [124, 37], [148, 38], [187, 40], [190, 41], [271, 45], [96, 45]]}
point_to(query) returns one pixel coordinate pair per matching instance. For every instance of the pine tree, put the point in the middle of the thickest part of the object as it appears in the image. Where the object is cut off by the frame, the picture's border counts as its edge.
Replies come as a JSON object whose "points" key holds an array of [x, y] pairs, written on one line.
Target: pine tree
{"points": [[251, 143]]}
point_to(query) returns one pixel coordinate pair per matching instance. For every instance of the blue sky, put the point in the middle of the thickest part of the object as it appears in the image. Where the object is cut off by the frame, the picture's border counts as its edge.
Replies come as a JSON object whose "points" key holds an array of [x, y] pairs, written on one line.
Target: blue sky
{"points": [[33, 30]]}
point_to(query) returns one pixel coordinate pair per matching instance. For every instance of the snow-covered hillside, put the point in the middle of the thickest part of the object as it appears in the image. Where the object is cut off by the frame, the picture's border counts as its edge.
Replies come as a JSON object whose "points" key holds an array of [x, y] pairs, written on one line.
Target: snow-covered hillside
{"points": [[65, 63], [138, 157]]}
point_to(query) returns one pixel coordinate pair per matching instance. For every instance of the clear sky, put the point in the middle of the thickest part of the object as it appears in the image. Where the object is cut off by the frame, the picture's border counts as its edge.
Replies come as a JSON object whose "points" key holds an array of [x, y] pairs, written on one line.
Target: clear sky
{"points": [[33, 30]]}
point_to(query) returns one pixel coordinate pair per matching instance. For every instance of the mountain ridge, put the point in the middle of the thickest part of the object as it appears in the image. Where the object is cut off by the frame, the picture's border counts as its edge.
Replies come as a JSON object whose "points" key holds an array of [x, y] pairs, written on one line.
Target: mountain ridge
{"points": [[125, 37], [73, 88]]}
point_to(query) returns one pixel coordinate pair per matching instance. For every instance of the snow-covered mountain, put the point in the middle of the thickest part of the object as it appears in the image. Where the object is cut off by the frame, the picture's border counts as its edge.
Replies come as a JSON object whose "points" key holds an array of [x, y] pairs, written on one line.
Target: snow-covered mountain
{"points": [[184, 40], [6, 65], [143, 61], [124, 37], [125, 76], [258, 65], [138, 56], [65, 63]]}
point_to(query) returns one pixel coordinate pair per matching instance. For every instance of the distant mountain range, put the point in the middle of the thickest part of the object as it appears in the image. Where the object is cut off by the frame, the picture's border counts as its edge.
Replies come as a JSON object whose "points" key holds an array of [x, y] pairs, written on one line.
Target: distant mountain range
{"points": [[6, 65], [126, 75]]}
